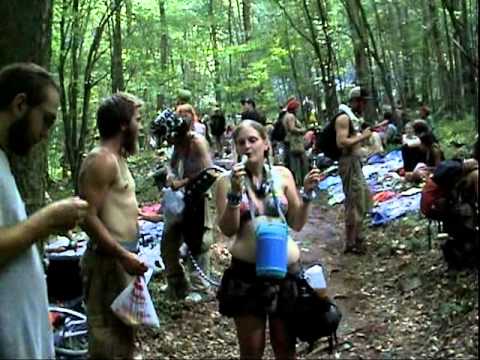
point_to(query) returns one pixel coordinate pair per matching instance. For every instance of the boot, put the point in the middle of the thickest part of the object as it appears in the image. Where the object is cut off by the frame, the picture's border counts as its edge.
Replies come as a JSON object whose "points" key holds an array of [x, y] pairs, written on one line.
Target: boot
{"points": [[177, 287]]}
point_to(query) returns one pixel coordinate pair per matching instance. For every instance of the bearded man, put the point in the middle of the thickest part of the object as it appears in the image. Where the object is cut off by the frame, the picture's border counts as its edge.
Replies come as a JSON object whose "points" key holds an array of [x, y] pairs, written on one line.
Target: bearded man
{"points": [[29, 100], [110, 259]]}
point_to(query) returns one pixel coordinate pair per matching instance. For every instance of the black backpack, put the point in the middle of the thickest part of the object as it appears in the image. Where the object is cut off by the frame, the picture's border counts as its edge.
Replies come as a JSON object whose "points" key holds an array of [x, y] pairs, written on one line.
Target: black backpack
{"points": [[314, 317], [326, 139], [279, 132], [217, 123]]}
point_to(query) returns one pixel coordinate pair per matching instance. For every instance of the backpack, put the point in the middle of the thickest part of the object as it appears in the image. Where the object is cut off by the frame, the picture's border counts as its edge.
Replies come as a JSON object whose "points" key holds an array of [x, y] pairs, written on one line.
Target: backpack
{"points": [[217, 123], [314, 317], [439, 192], [279, 132], [326, 139]]}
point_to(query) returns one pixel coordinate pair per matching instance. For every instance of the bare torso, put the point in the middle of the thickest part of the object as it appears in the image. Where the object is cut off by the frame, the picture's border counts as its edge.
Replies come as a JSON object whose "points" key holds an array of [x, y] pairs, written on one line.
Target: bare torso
{"points": [[120, 209], [244, 243]]}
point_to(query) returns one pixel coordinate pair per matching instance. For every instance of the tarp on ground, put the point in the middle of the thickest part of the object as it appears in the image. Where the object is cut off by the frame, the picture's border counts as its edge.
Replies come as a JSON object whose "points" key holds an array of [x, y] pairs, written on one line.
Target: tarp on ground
{"points": [[380, 172]]}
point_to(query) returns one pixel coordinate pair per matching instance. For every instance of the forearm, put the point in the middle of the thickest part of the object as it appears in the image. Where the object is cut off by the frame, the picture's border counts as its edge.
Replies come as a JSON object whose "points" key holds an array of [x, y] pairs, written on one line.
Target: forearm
{"points": [[298, 131], [351, 141], [300, 217], [229, 222], [17, 238], [97, 231]]}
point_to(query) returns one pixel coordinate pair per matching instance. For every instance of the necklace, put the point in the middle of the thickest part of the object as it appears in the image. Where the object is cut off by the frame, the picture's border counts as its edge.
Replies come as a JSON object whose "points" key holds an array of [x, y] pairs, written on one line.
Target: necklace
{"points": [[263, 188]]}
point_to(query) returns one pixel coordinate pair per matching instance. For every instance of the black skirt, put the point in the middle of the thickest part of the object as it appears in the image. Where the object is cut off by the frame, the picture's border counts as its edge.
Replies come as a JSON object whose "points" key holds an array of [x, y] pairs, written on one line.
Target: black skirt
{"points": [[242, 293]]}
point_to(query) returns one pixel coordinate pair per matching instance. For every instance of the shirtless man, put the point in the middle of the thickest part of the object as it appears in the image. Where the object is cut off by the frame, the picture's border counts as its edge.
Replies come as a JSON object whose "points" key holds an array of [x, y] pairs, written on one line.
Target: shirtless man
{"points": [[357, 195], [107, 184]]}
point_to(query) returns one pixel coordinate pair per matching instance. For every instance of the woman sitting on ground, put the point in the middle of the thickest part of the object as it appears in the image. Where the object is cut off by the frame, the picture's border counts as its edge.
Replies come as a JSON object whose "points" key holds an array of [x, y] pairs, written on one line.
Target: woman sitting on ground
{"points": [[254, 188]]}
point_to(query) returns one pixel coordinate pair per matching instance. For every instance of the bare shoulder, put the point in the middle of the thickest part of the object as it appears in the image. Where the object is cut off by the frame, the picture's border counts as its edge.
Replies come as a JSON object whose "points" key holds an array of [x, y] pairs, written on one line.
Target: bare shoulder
{"points": [[283, 172], [198, 140], [342, 118], [222, 184], [99, 165]]}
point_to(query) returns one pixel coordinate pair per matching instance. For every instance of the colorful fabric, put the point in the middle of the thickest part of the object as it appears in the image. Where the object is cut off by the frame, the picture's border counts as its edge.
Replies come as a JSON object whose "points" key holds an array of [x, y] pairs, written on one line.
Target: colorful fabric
{"points": [[383, 196]]}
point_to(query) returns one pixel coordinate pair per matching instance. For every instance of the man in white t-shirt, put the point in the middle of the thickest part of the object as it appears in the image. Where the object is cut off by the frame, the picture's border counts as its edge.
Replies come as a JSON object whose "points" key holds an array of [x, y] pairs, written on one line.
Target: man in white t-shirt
{"points": [[29, 99]]}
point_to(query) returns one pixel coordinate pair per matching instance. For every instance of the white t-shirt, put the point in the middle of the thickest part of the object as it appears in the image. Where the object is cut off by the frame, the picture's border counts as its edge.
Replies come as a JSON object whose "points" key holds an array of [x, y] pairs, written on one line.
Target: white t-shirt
{"points": [[25, 332]]}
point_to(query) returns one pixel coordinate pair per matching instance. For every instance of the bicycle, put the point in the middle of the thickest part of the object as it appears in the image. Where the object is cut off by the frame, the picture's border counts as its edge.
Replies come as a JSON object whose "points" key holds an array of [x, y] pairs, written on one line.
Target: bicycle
{"points": [[70, 332]]}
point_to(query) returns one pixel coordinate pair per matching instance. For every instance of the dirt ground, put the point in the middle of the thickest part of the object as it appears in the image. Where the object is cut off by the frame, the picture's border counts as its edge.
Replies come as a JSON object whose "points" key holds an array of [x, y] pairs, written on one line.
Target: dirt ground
{"points": [[398, 301]]}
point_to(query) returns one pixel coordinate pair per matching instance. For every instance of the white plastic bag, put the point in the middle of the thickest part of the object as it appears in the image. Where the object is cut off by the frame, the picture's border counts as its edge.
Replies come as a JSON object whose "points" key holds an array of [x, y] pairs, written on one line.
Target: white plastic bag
{"points": [[173, 203], [134, 305]]}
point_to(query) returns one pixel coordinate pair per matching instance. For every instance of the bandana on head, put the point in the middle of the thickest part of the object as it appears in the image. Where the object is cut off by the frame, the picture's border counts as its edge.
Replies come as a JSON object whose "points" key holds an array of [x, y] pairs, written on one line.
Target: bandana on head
{"points": [[166, 125]]}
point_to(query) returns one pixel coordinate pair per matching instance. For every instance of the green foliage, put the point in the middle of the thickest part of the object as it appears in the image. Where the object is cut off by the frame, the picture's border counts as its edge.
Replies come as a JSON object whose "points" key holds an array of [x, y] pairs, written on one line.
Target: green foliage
{"points": [[262, 67], [453, 131]]}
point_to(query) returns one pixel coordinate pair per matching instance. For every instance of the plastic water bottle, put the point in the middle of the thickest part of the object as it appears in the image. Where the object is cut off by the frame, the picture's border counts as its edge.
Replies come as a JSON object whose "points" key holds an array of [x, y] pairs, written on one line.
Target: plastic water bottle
{"points": [[316, 279]]}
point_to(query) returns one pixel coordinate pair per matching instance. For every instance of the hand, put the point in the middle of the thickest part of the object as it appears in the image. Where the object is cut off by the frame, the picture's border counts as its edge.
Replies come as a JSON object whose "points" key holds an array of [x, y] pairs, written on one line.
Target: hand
{"points": [[311, 180], [367, 133], [238, 173], [132, 264], [177, 184], [65, 214], [169, 180]]}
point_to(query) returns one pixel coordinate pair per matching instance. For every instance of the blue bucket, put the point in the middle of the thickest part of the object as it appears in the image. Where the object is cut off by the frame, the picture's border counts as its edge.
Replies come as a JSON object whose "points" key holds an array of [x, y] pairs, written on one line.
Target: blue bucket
{"points": [[271, 251]]}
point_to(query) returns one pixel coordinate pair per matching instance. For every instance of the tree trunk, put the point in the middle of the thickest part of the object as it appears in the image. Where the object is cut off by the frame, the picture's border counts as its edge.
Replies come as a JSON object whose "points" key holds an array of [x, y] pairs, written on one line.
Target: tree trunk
{"points": [[466, 59], [407, 86], [360, 46], [163, 36], [118, 83], [293, 66], [26, 29], [247, 20], [444, 77], [216, 62], [426, 77], [76, 124]]}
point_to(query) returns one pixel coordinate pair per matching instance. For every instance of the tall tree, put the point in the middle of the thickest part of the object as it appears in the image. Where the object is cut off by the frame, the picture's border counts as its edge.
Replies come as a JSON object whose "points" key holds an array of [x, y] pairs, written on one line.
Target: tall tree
{"points": [[214, 42], [118, 83], [360, 50], [163, 35], [445, 78], [77, 77], [26, 29], [468, 69], [247, 19], [325, 62]]}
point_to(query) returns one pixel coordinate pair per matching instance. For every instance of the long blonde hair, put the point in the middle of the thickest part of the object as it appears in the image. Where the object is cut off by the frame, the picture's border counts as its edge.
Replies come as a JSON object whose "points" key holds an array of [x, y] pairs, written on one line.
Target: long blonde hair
{"points": [[188, 108]]}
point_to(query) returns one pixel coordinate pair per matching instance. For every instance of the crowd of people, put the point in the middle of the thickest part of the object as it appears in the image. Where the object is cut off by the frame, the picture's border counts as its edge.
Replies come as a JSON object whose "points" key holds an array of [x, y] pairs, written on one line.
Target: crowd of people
{"points": [[270, 185]]}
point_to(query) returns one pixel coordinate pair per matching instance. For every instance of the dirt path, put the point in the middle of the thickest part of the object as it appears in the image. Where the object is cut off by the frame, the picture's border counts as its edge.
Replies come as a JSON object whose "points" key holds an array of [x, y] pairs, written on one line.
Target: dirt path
{"points": [[398, 301], [199, 331]]}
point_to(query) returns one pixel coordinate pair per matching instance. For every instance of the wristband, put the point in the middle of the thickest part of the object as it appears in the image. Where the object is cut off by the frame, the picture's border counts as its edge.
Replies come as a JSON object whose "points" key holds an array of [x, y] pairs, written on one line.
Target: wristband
{"points": [[233, 199], [307, 196]]}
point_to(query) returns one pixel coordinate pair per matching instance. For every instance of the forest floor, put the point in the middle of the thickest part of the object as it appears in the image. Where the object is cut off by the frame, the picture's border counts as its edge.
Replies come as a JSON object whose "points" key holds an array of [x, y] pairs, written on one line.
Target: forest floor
{"points": [[398, 301]]}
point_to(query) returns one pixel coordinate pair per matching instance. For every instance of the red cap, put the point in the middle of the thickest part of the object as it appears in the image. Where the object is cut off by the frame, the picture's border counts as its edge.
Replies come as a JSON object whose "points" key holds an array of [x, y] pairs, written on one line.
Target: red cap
{"points": [[293, 105]]}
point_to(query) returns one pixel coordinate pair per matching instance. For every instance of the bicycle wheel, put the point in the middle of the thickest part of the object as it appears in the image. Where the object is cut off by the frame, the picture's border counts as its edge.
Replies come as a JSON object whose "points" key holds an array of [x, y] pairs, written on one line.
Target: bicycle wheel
{"points": [[70, 332]]}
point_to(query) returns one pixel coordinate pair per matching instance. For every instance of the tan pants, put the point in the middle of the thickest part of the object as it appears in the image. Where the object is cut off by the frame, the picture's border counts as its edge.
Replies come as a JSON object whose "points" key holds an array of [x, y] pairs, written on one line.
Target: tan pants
{"points": [[173, 237], [357, 195], [104, 279]]}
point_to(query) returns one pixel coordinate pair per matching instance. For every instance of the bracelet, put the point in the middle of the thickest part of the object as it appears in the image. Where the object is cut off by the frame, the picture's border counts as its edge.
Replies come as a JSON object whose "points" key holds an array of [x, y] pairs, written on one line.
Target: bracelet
{"points": [[233, 199], [307, 196]]}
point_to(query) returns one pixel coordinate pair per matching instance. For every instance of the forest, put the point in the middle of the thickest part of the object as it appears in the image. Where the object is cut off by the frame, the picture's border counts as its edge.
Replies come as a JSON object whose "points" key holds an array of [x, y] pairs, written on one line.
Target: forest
{"points": [[406, 53]]}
